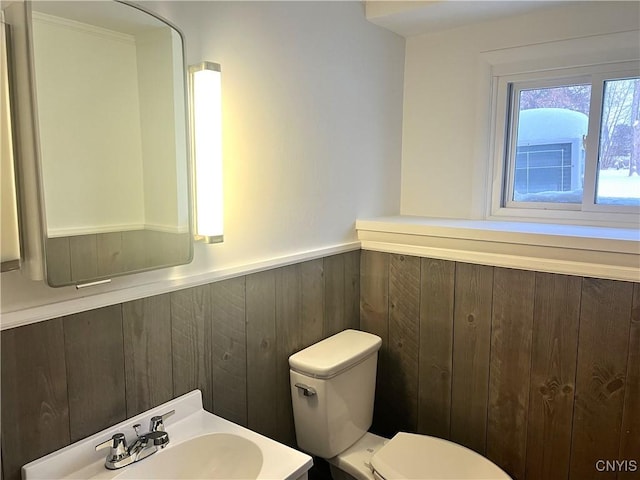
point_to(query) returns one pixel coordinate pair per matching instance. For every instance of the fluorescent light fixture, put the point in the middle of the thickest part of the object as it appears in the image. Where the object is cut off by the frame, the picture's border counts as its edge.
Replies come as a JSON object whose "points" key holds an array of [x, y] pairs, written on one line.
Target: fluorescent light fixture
{"points": [[206, 114]]}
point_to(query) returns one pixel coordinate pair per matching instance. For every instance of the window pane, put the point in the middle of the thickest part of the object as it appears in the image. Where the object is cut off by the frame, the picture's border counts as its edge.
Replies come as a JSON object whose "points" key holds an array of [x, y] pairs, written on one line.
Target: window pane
{"points": [[552, 126], [619, 157]]}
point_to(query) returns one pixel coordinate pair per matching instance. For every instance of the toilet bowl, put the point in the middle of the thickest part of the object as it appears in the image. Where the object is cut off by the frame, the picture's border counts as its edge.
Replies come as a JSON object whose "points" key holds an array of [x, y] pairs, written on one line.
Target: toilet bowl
{"points": [[332, 390]]}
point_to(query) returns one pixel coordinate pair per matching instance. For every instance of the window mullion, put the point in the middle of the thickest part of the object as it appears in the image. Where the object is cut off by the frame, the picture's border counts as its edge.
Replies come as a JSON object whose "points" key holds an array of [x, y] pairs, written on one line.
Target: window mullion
{"points": [[512, 131], [592, 146]]}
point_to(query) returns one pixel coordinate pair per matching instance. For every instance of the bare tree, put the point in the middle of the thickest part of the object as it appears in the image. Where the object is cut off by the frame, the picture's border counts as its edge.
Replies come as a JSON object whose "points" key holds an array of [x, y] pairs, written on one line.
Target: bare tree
{"points": [[616, 111], [634, 161], [571, 97]]}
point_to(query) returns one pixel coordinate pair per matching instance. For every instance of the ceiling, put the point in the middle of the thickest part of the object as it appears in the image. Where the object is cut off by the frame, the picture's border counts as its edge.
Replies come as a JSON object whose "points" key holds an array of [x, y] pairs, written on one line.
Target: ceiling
{"points": [[409, 18]]}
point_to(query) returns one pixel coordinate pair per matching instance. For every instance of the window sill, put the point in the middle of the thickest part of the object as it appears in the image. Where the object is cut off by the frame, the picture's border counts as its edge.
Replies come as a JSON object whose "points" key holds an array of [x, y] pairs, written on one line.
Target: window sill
{"points": [[612, 253]]}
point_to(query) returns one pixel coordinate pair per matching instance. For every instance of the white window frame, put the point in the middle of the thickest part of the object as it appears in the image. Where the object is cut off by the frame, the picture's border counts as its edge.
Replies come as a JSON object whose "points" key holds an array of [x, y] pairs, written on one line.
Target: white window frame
{"points": [[505, 87]]}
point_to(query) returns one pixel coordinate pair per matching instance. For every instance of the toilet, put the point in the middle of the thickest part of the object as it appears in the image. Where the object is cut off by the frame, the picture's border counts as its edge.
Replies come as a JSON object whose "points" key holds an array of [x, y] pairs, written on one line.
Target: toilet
{"points": [[332, 389]]}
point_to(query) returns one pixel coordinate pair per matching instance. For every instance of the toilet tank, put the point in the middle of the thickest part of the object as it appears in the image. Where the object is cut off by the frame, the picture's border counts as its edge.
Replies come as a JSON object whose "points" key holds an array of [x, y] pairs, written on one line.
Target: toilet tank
{"points": [[332, 389]]}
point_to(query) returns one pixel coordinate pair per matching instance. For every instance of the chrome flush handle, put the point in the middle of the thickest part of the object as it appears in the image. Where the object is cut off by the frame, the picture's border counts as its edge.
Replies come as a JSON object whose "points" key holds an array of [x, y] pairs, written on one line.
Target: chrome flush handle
{"points": [[307, 391]]}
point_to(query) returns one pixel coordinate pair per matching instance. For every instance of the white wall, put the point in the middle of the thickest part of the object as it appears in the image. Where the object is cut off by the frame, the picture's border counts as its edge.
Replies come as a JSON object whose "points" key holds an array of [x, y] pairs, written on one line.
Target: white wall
{"points": [[447, 101], [312, 117], [312, 98], [160, 127], [75, 152]]}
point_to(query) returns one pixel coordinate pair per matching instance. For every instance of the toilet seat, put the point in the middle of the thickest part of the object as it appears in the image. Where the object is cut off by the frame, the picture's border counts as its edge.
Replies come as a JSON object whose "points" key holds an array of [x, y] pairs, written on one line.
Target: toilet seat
{"points": [[411, 456]]}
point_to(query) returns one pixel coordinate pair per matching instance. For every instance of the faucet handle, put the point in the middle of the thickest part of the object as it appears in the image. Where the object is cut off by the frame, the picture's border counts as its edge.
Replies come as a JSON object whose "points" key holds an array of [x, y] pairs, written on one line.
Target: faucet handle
{"points": [[157, 422], [118, 445], [158, 438]]}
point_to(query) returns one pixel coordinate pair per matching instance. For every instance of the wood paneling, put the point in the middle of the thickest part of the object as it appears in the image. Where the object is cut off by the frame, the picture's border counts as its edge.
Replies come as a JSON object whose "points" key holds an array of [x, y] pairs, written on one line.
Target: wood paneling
{"points": [[545, 377], [605, 318], [262, 366], [191, 342], [630, 435], [312, 301], [231, 339], [147, 352], [164, 248], [436, 346], [512, 321], [404, 338], [553, 370], [109, 252], [35, 408], [289, 340], [84, 257], [531, 336], [342, 293], [58, 261], [95, 370], [471, 355], [352, 289], [374, 318], [229, 350], [134, 250], [334, 320], [374, 295]]}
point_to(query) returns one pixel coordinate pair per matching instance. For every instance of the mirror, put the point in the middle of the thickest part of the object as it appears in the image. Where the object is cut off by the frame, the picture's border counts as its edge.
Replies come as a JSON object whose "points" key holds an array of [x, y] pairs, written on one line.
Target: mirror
{"points": [[109, 88], [9, 238]]}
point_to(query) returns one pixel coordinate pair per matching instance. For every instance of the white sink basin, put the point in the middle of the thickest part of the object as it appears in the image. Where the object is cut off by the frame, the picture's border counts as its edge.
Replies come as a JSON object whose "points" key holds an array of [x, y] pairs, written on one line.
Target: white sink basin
{"points": [[201, 446], [217, 455]]}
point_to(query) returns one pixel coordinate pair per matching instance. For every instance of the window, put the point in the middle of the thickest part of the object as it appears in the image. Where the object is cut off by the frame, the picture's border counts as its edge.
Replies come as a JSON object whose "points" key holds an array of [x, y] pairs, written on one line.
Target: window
{"points": [[568, 144]]}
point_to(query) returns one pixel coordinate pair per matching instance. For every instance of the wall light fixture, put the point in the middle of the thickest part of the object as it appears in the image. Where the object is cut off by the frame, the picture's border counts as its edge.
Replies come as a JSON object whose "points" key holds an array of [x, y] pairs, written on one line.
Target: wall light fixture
{"points": [[206, 114]]}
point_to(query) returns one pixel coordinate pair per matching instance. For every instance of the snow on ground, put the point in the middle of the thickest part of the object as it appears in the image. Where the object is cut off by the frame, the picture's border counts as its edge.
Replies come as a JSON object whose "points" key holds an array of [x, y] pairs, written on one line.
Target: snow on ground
{"points": [[618, 184], [615, 187]]}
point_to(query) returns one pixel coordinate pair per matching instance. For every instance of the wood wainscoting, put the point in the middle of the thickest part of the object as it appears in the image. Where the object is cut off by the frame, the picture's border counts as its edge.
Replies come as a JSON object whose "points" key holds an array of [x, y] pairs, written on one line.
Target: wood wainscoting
{"points": [[539, 372], [67, 378]]}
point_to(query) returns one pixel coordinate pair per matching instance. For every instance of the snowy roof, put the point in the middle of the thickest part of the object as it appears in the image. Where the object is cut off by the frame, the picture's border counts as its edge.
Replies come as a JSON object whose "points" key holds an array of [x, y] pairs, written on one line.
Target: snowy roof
{"points": [[547, 125]]}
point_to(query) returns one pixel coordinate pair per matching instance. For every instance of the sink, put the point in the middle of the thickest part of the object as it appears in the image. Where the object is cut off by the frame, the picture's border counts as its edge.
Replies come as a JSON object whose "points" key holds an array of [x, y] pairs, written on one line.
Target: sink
{"points": [[218, 455], [201, 446]]}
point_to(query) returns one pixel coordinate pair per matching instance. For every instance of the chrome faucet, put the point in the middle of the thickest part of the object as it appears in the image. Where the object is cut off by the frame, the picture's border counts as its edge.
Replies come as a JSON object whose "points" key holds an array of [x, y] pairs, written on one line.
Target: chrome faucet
{"points": [[146, 444]]}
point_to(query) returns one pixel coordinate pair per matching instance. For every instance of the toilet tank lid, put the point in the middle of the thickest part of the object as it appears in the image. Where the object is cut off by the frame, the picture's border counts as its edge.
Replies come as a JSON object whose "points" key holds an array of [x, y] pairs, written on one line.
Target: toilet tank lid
{"points": [[332, 355]]}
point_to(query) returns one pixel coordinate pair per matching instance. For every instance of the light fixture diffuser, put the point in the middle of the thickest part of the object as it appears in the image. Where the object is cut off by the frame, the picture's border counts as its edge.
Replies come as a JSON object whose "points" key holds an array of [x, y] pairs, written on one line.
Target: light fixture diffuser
{"points": [[206, 111]]}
